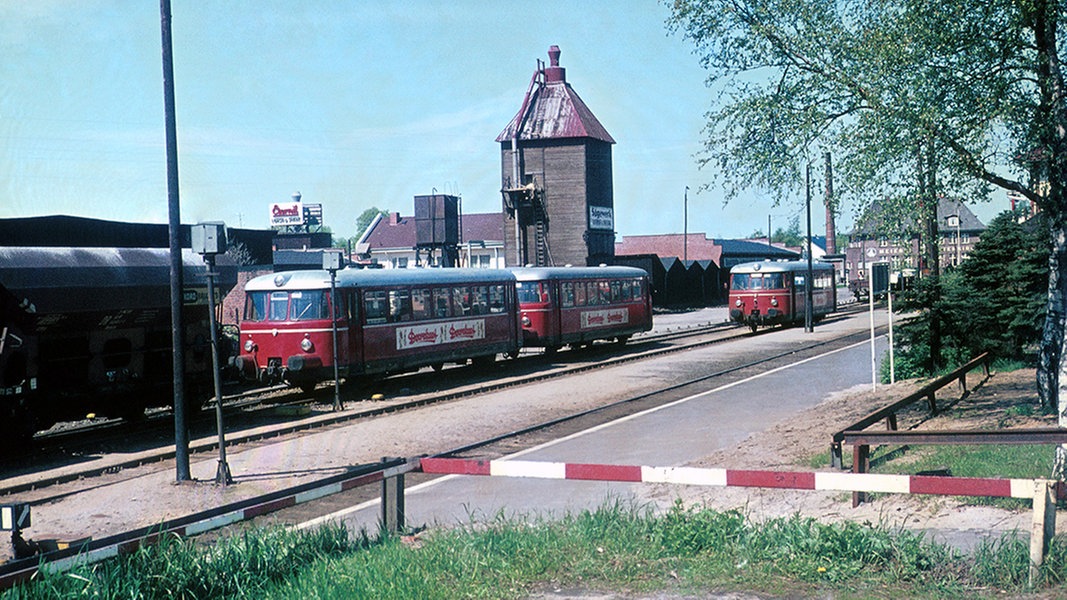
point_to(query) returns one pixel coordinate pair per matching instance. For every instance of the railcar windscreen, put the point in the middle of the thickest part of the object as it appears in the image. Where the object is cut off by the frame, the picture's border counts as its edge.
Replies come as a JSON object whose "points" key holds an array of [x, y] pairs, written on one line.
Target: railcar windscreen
{"points": [[757, 281], [303, 305]]}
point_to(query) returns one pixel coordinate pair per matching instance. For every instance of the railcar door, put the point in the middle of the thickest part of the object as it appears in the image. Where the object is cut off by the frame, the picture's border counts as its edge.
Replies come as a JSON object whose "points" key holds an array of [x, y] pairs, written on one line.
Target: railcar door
{"points": [[352, 343]]}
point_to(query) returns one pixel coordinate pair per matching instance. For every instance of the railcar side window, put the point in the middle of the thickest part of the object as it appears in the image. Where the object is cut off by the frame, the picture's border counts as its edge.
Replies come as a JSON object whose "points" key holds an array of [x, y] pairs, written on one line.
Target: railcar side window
{"points": [[422, 304], [480, 300], [604, 289], [461, 301], [376, 306], [566, 289], [579, 293], [399, 306], [442, 303], [496, 299], [616, 291]]}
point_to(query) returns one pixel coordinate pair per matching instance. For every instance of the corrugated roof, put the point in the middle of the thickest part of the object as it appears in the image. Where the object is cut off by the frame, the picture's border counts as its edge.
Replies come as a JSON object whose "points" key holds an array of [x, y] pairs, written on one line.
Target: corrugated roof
{"points": [[746, 248], [555, 111]]}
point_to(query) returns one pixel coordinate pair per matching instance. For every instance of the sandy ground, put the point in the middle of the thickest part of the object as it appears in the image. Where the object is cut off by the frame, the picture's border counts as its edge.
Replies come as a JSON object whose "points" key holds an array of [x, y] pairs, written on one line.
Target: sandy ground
{"points": [[792, 445]]}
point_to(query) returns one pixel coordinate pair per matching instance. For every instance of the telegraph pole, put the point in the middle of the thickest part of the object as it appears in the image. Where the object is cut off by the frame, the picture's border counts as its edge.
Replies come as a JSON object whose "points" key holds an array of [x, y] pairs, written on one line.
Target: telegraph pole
{"points": [[177, 331]]}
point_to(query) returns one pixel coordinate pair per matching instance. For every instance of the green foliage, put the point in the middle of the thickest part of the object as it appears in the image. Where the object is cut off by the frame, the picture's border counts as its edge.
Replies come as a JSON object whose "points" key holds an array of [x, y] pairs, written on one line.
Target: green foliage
{"points": [[994, 302], [364, 219]]}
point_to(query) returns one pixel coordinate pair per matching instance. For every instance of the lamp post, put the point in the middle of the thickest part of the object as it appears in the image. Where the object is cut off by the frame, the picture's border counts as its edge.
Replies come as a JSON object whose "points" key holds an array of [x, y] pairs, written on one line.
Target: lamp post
{"points": [[808, 320], [331, 261], [209, 239], [685, 226]]}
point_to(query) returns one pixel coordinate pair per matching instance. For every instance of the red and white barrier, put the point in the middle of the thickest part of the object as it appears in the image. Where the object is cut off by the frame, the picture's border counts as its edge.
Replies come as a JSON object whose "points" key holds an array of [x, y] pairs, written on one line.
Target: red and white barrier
{"points": [[840, 482]]}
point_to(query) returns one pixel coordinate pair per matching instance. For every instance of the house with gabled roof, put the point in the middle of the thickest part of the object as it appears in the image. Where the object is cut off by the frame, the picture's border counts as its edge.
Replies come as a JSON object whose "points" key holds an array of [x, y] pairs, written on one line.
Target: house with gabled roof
{"points": [[886, 235], [390, 241]]}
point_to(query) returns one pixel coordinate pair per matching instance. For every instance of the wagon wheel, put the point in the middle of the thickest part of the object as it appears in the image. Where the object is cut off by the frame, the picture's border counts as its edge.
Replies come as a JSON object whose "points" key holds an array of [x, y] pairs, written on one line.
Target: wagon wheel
{"points": [[550, 350], [622, 339], [438, 366]]}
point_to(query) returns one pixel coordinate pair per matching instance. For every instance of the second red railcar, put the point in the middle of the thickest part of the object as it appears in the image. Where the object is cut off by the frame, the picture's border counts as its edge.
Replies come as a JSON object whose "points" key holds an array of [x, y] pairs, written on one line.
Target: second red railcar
{"points": [[578, 305]]}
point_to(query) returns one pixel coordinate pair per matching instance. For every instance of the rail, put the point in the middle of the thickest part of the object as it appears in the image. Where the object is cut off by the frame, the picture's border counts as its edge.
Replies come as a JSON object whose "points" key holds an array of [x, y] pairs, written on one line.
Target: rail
{"points": [[889, 413]]}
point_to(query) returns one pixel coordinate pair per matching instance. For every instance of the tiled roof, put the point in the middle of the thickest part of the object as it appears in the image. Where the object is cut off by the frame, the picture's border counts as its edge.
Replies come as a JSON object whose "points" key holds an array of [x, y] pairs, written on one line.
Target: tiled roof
{"points": [[395, 231], [893, 220], [698, 247]]}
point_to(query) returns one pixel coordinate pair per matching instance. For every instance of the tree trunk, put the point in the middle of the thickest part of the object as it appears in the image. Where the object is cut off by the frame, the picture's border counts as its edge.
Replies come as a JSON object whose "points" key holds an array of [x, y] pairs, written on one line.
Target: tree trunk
{"points": [[1051, 376], [1052, 336], [931, 249]]}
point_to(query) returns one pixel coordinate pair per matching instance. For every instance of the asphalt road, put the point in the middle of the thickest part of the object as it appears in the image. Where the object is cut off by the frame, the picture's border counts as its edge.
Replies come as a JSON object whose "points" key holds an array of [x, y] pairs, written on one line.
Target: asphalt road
{"points": [[672, 435]]}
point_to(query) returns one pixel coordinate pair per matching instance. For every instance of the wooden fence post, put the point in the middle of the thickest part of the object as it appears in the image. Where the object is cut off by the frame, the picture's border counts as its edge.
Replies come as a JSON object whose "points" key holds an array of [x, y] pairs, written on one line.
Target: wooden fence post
{"points": [[1043, 527], [392, 502]]}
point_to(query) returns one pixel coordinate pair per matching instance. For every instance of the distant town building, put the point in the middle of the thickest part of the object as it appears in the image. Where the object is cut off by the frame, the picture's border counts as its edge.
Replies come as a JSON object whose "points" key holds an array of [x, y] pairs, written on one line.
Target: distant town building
{"points": [[881, 238]]}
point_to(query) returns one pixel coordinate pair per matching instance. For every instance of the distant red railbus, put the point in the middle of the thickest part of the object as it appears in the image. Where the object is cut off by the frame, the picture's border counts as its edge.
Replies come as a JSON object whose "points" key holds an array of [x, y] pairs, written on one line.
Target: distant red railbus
{"points": [[578, 305], [763, 294]]}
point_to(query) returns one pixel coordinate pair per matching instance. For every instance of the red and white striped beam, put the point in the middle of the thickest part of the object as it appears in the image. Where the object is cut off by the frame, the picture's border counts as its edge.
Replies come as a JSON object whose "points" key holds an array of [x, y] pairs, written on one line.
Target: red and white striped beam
{"points": [[838, 482]]}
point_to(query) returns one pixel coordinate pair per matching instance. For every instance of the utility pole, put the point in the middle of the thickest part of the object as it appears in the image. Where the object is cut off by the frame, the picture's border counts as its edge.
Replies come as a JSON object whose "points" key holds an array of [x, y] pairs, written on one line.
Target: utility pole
{"points": [[181, 433], [808, 325]]}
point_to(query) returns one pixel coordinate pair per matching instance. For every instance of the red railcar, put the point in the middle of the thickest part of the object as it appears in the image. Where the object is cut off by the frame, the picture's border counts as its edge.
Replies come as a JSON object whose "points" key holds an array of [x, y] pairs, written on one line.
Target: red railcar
{"points": [[775, 293], [388, 321], [577, 305]]}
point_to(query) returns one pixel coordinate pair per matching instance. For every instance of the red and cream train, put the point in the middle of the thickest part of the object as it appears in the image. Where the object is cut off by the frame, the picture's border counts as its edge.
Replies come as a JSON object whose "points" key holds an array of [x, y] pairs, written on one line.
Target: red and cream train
{"points": [[395, 320], [763, 294]]}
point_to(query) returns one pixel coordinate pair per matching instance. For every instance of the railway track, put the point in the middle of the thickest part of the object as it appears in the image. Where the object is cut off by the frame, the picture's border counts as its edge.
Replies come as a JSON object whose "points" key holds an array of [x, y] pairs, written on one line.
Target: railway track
{"points": [[251, 420], [248, 413], [498, 445]]}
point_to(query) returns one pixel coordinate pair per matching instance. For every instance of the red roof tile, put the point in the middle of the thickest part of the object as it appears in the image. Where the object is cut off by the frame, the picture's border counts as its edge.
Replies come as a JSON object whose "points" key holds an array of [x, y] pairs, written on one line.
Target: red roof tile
{"points": [[399, 232], [698, 247]]}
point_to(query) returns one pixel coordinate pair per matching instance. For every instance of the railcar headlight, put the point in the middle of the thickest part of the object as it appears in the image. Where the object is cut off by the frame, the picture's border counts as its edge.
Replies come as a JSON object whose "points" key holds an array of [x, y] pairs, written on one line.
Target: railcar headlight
{"points": [[306, 345], [774, 302], [738, 303], [249, 346], [525, 321]]}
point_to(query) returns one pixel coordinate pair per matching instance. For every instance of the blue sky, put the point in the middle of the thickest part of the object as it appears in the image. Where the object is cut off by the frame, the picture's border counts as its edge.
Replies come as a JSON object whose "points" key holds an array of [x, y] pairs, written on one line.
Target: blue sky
{"points": [[353, 104]]}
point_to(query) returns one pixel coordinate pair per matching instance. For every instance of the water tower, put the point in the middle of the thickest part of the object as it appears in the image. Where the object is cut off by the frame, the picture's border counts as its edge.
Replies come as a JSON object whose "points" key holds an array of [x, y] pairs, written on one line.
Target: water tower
{"points": [[556, 176]]}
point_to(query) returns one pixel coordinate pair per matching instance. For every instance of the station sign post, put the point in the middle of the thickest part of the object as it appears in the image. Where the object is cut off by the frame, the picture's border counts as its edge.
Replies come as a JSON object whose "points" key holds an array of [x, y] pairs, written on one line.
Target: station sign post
{"points": [[208, 240], [331, 261]]}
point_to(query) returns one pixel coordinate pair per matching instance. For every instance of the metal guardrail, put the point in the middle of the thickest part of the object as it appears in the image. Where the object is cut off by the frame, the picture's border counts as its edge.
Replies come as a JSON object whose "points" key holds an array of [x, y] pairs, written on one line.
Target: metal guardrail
{"points": [[889, 413]]}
